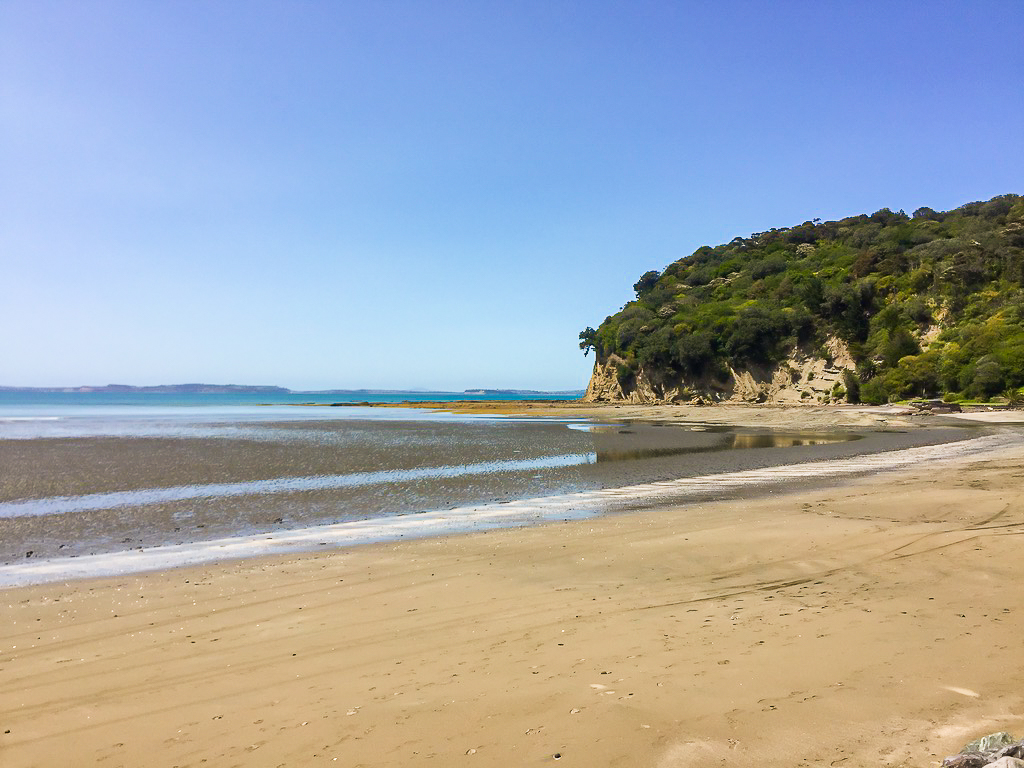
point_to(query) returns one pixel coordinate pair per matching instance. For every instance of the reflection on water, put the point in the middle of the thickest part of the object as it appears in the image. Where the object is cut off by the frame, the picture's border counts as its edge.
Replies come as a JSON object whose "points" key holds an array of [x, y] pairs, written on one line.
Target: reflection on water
{"points": [[783, 440], [609, 446]]}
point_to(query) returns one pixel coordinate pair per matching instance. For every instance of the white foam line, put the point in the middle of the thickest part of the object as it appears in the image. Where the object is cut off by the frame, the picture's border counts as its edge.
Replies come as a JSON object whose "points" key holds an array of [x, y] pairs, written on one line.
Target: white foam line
{"points": [[57, 505], [576, 505]]}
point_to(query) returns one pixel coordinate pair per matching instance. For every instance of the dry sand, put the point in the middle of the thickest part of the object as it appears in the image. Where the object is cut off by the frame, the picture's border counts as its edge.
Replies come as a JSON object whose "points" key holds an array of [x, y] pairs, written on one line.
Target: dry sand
{"points": [[874, 623]]}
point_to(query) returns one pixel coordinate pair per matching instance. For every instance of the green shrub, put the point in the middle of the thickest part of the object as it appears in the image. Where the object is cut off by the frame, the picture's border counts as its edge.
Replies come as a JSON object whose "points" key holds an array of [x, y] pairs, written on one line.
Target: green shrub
{"points": [[852, 384]]}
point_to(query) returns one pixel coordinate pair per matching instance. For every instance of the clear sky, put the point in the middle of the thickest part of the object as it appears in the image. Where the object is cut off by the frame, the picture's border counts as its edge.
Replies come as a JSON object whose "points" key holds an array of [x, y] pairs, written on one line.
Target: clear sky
{"points": [[441, 194]]}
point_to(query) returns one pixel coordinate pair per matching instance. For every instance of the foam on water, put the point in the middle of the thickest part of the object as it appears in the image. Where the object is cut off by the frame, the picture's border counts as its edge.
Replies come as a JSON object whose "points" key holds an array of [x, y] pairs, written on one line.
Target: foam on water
{"points": [[58, 505], [576, 505]]}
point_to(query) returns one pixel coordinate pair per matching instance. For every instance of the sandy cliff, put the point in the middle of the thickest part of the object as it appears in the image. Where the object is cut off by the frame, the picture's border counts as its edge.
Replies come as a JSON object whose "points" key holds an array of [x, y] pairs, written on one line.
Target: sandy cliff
{"points": [[805, 377]]}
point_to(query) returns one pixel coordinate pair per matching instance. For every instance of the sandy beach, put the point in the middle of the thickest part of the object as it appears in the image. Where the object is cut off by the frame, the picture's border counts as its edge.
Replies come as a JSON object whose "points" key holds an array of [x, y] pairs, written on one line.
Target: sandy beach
{"points": [[876, 622]]}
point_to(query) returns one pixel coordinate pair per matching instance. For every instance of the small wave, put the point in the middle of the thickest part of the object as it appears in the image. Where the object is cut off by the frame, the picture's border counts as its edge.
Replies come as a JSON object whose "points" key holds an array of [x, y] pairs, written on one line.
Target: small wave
{"points": [[29, 418]]}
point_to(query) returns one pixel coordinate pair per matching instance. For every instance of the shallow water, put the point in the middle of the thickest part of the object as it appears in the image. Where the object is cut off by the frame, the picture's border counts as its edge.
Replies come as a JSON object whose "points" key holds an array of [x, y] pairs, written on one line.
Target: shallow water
{"points": [[102, 482], [569, 506]]}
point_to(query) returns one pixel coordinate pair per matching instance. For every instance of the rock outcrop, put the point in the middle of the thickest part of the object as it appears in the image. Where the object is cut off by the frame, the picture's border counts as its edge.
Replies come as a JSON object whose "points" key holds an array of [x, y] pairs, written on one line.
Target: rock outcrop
{"points": [[997, 750], [806, 376]]}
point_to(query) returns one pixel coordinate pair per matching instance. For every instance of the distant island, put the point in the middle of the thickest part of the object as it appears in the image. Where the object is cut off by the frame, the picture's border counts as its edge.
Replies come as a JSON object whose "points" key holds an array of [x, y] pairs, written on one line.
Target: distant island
{"points": [[175, 389], [259, 389]]}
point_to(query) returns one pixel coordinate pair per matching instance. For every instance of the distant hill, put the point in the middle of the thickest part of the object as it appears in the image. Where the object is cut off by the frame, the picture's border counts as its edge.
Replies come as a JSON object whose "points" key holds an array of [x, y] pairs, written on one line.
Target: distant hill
{"points": [[872, 307], [271, 390], [206, 389]]}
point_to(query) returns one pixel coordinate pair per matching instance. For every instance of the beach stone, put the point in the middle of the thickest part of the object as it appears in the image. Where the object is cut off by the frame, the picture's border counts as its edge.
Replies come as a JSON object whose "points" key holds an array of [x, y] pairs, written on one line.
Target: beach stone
{"points": [[996, 749], [1007, 762], [1014, 750], [966, 760], [989, 743]]}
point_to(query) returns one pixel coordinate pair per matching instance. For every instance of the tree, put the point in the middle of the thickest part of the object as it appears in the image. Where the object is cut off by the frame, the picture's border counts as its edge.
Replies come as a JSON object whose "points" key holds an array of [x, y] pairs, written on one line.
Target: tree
{"points": [[588, 341], [770, 266], [900, 344], [694, 351], [756, 335], [654, 350], [988, 378], [646, 282], [852, 385]]}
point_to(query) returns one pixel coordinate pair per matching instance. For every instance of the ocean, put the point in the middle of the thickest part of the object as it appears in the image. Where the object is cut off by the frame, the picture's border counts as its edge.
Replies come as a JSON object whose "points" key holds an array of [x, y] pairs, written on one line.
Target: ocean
{"points": [[96, 484], [14, 401]]}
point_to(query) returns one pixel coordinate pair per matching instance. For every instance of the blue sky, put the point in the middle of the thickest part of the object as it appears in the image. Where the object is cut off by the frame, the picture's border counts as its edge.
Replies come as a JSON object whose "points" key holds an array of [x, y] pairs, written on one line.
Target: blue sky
{"points": [[443, 194]]}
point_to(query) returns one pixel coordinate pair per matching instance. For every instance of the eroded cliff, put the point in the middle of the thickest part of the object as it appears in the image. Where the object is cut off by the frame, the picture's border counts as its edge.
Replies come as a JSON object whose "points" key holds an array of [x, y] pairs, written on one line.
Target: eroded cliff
{"points": [[804, 377]]}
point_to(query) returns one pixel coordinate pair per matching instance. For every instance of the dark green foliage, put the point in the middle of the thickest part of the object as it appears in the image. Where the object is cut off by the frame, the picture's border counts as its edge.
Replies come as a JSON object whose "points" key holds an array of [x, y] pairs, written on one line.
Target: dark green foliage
{"points": [[694, 352], [878, 282], [899, 344], [846, 307], [770, 266], [873, 392], [647, 281], [625, 375], [698, 277], [988, 377], [656, 349], [757, 335], [852, 386], [588, 341]]}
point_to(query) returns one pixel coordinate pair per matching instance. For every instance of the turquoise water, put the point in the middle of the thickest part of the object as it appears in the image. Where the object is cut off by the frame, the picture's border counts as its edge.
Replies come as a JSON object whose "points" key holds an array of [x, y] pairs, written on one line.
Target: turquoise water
{"points": [[27, 415], [161, 399]]}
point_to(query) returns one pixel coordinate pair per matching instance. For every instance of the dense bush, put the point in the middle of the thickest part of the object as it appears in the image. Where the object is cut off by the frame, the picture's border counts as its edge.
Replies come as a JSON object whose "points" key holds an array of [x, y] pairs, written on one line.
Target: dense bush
{"points": [[876, 281]]}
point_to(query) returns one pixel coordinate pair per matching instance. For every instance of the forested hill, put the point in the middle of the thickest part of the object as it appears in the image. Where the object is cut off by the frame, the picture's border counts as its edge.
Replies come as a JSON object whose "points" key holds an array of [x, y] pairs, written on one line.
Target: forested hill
{"points": [[881, 306]]}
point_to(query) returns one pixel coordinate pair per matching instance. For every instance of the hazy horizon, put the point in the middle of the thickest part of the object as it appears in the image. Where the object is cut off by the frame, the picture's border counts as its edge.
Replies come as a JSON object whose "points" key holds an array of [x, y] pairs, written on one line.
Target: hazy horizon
{"points": [[295, 390], [441, 196]]}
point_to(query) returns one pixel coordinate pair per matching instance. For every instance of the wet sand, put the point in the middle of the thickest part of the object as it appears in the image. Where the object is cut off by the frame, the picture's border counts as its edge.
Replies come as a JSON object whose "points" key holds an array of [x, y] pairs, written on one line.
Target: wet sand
{"points": [[624, 453], [871, 623], [733, 414]]}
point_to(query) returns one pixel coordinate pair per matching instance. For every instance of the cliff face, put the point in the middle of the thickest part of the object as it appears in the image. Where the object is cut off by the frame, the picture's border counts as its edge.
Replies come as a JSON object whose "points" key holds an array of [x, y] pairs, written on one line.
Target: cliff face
{"points": [[803, 378], [604, 383]]}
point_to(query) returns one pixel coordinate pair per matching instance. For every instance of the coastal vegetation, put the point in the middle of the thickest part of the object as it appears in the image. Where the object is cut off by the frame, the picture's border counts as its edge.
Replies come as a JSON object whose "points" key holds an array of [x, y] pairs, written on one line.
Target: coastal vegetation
{"points": [[924, 305]]}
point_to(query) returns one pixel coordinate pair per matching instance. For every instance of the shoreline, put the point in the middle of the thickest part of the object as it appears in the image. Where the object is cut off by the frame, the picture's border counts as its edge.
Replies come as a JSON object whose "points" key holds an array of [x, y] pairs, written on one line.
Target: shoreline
{"points": [[874, 621], [603, 485], [737, 414], [511, 514]]}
